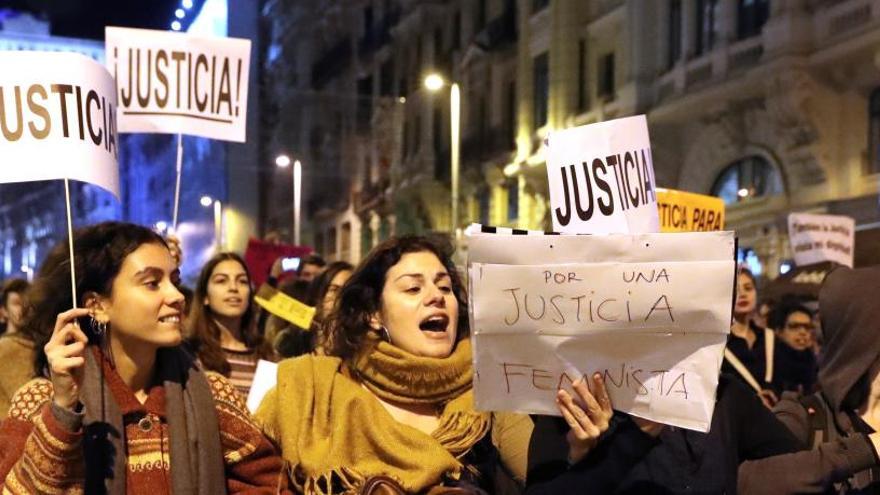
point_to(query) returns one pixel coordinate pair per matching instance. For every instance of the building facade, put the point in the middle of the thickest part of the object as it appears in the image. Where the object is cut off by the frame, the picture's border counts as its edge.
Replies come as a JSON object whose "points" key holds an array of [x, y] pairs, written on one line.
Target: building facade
{"points": [[772, 105]]}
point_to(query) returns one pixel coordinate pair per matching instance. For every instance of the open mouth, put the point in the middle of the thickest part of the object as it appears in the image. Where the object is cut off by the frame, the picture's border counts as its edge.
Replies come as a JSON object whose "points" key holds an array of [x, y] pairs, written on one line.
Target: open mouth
{"points": [[437, 323], [170, 319]]}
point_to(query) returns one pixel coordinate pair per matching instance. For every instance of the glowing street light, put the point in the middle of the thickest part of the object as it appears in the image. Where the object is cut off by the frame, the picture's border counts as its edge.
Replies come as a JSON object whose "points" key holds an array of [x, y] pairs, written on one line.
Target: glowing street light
{"points": [[206, 201], [162, 226], [434, 82], [179, 13], [282, 161], [187, 4], [175, 25], [743, 193]]}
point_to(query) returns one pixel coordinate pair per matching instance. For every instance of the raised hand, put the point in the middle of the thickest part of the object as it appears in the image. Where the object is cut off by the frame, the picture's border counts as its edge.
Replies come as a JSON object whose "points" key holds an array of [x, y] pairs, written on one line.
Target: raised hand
{"points": [[65, 353], [587, 420]]}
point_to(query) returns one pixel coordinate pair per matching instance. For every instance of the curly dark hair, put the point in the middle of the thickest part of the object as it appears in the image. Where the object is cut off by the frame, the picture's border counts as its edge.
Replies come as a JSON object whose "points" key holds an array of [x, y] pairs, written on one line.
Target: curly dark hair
{"points": [[203, 334], [99, 251], [361, 297]]}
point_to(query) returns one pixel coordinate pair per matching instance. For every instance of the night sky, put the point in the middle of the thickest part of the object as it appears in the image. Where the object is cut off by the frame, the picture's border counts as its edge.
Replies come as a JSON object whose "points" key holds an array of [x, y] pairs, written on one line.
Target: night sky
{"points": [[87, 18]]}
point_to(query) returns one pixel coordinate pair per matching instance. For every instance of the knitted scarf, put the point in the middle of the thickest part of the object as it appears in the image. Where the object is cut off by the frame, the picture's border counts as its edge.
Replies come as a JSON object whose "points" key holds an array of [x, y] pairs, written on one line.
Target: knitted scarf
{"points": [[335, 435], [196, 454]]}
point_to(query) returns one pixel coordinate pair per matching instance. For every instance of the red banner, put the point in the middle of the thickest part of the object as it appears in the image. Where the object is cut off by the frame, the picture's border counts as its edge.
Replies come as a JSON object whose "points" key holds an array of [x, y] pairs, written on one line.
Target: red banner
{"points": [[260, 255]]}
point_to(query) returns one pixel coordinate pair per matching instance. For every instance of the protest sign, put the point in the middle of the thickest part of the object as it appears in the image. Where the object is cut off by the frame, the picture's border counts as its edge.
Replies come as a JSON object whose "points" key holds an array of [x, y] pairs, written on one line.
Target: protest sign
{"points": [[57, 119], [260, 255], [650, 313], [265, 378], [601, 178], [179, 83], [682, 211], [815, 238], [284, 306]]}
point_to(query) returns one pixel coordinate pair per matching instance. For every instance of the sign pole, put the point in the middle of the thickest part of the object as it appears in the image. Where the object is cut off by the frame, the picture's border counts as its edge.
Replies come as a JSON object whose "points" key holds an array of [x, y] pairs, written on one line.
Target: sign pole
{"points": [[70, 242]]}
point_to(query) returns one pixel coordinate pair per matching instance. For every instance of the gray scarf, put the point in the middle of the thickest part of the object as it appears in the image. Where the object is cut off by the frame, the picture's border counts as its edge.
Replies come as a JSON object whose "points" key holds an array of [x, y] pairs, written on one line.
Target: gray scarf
{"points": [[196, 455]]}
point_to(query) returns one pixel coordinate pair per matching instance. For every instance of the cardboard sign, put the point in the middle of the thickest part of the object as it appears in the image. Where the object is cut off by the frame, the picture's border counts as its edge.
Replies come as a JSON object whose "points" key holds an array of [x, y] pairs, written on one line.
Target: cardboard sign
{"points": [[180, 84], [265, 378], [284, 306], [601, 178], [682, 211], [57, 119], [816, 238], [650, 313]]}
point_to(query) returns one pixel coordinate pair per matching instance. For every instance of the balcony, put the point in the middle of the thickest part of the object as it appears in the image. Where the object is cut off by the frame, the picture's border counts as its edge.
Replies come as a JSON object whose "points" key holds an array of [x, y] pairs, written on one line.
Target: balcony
{"points": [[845, 18], [500, 32]]}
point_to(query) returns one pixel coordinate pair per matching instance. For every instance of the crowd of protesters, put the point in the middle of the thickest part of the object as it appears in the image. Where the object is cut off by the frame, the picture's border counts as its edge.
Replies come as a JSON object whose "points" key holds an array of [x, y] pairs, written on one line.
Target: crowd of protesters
{"points": [[139, 386]]}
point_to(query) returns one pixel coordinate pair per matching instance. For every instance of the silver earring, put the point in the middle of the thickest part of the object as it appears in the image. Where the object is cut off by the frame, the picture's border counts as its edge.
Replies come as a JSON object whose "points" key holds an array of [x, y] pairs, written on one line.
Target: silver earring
{"points": [[385, 334]]}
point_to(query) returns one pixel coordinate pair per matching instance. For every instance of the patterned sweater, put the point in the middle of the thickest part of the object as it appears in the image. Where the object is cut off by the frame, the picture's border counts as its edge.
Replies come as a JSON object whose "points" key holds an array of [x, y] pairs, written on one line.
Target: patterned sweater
{"points": [[42, 454]]}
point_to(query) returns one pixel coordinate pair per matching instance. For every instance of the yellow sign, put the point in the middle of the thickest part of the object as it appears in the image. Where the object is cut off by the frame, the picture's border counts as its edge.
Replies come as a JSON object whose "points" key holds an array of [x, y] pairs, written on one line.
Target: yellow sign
{"points": [[682, 211], [284, 306]]}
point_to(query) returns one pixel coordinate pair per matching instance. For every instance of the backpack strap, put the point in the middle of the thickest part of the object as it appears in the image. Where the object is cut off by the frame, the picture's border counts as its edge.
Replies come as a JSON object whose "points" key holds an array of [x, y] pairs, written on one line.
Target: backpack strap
{"points": [[769, 344], [741, 369]]}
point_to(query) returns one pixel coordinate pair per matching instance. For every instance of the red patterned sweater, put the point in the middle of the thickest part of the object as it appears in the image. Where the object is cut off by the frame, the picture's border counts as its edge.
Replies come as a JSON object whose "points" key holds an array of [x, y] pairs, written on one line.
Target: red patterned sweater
{"points": [[41, 455]]}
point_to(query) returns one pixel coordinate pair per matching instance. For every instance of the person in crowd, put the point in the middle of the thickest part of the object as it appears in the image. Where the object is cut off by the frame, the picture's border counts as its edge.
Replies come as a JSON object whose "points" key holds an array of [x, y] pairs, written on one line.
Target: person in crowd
{"points": [[289, 339], [675, 460], [750, 348], [118, 398], [795, 360], [324, 292], [221, 329], [310, 267], [841, 422], [16, 346]]}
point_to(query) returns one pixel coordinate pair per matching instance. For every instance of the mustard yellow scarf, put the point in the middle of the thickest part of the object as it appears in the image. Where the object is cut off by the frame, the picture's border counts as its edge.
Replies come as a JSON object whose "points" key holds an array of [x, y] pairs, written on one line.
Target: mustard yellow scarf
{"points": [[335, 435]]}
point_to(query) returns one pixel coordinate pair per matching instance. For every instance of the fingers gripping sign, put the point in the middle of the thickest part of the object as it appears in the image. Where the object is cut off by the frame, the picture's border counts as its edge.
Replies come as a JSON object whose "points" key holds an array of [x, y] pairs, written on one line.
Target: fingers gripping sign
{"points": [[588, 416], [65, 353]]}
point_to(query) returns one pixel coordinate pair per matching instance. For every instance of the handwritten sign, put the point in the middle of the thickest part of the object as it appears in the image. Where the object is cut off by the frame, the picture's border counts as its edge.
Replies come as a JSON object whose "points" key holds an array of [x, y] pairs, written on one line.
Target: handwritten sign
{"points": [[817, 238], [284, 306], [57, 119], [650, 312], [682, 211], [178, 83], [601, 178]]}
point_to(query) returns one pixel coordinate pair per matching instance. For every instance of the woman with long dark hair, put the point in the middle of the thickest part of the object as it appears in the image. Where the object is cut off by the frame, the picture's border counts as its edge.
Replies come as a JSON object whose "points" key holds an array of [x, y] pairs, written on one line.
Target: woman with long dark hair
{"points": [[118, 398], [221, 326]]}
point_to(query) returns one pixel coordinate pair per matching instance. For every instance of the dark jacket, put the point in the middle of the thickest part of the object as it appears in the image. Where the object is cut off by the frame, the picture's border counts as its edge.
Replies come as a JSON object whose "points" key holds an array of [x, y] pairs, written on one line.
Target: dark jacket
{"points": [[683, 461], [793, 370], [851, 324]]}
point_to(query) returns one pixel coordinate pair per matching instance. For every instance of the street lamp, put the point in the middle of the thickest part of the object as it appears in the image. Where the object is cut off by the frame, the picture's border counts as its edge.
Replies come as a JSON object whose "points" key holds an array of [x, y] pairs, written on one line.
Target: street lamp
{"points": [[283, 161], [206, 201], [434, 82]]}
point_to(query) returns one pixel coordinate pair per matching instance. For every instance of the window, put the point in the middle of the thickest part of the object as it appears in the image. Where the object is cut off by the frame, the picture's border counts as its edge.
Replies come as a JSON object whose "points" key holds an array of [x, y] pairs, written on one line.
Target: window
{"points": [[368, 20], [874, 133], [510, 114], [706, 15], [748, 178], [606, 78], [750, 17], [438, 48], [541, 69], [582, 76], [673, 53], [479, 15], [483, 201], [386, 78], [512, 200], [539, 5], [456, 30]]}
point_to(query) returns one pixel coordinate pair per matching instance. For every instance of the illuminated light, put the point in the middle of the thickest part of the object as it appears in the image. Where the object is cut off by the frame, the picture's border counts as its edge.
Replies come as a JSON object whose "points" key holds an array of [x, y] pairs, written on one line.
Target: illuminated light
{"points": [[161, 226], [784, 267], [179, 13], [175, 25], [402, 99], [743, 193], [282, 161], [434, 82], [206, 201], [511, 169], [187, 4]]}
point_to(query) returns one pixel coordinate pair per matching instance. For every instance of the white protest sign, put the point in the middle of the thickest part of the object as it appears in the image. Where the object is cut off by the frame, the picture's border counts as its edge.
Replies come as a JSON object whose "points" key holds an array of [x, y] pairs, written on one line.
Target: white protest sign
{"points": [[57, 119], [265, 378], [816, 238], [601, 178], [180, 84], [650, 313]]}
